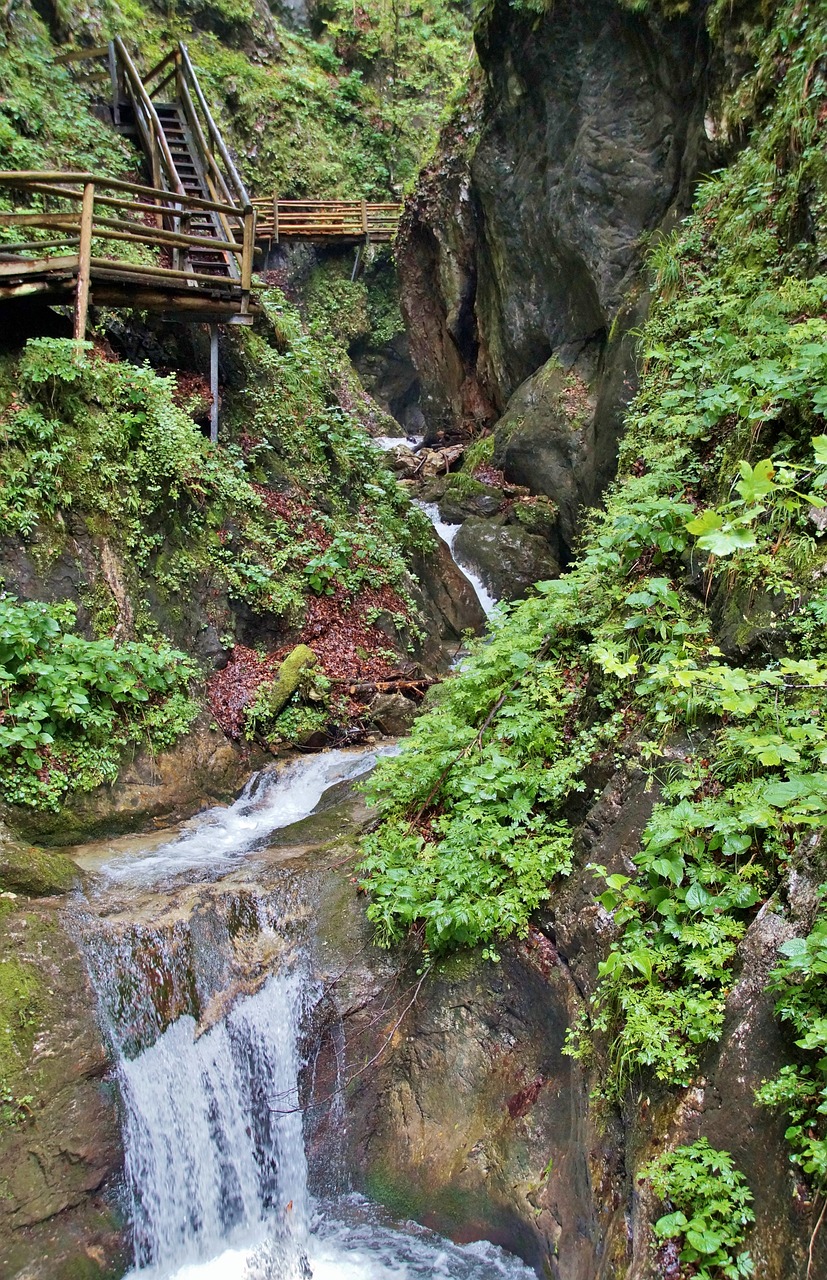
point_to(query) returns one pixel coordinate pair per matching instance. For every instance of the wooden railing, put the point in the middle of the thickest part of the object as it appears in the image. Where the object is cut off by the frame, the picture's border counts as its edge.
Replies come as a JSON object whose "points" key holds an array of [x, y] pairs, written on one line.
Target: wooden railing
{"points": [[76, 210], [343, 220], [173, 79]]}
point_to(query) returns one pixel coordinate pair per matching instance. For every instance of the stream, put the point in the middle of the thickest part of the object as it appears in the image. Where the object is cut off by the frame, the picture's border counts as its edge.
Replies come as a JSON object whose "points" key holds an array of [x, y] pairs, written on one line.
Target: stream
{"points": [[202, 959], [447, 532], [202, 948]]}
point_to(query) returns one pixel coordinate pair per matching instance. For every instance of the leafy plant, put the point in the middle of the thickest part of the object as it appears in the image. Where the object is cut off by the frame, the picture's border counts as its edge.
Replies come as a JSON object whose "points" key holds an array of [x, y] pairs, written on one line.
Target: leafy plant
{"points": [[800, 1089], [709, 1210], [71, 705]]}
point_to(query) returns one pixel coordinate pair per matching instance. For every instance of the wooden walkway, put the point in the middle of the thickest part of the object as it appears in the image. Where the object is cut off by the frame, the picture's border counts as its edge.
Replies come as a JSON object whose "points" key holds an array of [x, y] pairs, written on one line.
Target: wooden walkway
{"points": [[183, 243], [325, 221]]}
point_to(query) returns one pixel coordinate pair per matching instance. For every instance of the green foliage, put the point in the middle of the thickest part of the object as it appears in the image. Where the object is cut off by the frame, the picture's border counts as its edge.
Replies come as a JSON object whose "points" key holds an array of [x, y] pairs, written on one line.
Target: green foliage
{"points": [[71, 705], [40, 107], [709, 1210], [348, 111], [480, 452], [619, 657], [800, 1089]]}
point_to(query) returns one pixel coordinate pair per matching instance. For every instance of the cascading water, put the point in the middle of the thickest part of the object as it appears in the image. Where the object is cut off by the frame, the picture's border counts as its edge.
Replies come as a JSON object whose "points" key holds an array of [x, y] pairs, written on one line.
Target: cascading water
{"points": [[210, 1003], [270, 801], [213, 1138], [447, 532]]}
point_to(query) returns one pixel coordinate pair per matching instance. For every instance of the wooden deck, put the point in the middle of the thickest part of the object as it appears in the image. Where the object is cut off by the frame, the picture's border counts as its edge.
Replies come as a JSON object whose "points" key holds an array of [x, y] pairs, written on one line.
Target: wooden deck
{"points": [[183, 243], [96, 219]]}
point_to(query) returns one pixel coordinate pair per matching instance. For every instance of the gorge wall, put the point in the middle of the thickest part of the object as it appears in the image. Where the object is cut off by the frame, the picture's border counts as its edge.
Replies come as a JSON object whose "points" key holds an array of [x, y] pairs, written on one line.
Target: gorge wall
{"points": [[520, 252]]}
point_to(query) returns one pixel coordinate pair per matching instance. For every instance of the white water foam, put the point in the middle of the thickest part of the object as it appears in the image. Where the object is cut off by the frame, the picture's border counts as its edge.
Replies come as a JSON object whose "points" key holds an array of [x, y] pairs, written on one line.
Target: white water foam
{"points": [[386, 443], [270, 801], [214, 1145], [448, 533]]}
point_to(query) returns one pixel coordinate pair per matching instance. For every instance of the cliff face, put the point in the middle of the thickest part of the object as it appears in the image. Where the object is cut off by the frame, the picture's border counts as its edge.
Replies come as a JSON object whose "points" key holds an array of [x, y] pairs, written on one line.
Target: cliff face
{"points": [[524, 251]]}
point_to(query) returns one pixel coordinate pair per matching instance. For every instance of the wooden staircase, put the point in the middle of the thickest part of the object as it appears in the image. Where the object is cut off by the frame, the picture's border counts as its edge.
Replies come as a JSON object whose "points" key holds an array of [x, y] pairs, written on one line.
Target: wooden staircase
{"points": [[196, 219], [190, 229]]}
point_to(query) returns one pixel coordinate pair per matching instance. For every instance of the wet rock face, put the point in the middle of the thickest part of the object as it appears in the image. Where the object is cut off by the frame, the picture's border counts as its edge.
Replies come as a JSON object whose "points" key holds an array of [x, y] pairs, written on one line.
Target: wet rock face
{"points": [[61, 1158], [590, 136], [508, 558], [476, 1123]]}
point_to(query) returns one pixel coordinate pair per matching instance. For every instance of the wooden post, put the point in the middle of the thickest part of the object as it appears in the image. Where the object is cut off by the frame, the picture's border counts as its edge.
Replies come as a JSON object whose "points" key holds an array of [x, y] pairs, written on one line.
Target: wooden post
{"points": [[275, 219], [116, 93], [248, 249], [84, 265], [214, 383], [365, 218]]}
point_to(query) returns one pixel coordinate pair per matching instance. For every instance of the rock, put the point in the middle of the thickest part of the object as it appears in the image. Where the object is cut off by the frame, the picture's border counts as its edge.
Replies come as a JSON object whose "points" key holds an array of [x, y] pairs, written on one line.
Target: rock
{"points": [[402, 461], [537, 515], [35, 872], [589, 134], [507, 558], [544, 440], [62, 1159], [471, 498], [392, 713], [203, 768], [448, 599]]}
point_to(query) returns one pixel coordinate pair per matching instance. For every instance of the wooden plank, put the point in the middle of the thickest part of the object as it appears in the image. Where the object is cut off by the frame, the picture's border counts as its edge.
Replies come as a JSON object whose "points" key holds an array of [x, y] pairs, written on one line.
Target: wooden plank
{"points": [[44, 220], [37, 266], [37, 180], [113, 229], [37, 244], [83, 55], [110, 268], [189, 303]]}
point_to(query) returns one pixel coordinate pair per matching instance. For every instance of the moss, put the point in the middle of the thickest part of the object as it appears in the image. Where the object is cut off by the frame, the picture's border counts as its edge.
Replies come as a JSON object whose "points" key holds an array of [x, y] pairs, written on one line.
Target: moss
{"points": [[20, 1005], [399, 1195], [538, 515], [35, 872], [460, 485]]}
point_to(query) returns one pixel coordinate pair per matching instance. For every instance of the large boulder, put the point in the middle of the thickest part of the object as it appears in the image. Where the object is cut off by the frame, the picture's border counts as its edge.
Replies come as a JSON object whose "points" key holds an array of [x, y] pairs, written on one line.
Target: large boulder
{"points": [[448, 600], [507, 558], [545, 440], [524, 237], [35, 872]]}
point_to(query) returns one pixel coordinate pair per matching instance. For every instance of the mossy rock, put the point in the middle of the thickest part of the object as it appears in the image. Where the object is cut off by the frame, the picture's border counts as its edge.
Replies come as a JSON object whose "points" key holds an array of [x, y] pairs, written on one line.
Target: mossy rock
{"points": [[39, 873], [273, 696]]}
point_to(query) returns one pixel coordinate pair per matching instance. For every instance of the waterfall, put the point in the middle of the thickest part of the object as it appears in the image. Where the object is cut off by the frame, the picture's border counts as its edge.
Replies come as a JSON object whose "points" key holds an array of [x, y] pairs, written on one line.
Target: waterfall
{"points": [[214, 1141], [448, 533], [206, 986]]}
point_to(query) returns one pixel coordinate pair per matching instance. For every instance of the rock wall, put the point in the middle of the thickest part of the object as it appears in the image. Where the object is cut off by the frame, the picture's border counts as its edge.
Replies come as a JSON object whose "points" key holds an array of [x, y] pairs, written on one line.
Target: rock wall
{"points": [[521, 249], [476, 1123]]}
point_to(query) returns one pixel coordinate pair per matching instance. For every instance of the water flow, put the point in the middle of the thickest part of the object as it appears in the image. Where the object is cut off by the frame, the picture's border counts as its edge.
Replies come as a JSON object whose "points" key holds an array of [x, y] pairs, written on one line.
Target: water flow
{"points": [[270, 801], [448, 533], [214, 1143]]}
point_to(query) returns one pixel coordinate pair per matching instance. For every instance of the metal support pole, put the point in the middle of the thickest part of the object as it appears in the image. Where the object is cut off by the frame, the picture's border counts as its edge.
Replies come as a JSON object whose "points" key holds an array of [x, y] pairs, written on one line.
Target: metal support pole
{"points": [[357, 265], [214, 383]]}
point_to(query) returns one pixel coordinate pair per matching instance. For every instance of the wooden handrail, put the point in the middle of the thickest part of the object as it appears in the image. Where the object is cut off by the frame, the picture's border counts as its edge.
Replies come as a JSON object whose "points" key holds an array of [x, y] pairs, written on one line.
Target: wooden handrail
{"points": [[83, 55], [189, 72], [142, 98], [53, 179], [225, 199]]}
